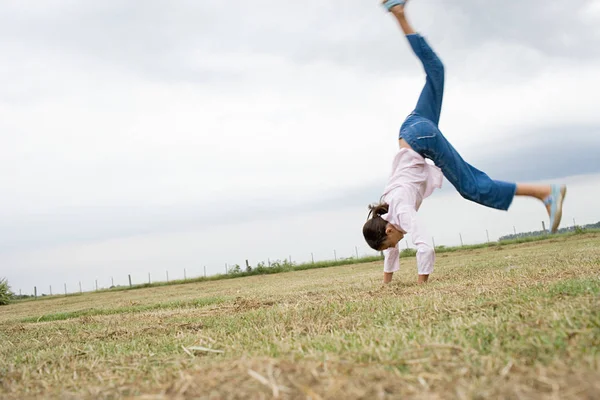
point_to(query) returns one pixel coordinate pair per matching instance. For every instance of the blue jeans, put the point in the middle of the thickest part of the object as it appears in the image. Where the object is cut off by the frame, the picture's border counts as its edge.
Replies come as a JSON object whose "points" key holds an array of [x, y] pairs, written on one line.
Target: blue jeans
{"points": [[420, 130]]}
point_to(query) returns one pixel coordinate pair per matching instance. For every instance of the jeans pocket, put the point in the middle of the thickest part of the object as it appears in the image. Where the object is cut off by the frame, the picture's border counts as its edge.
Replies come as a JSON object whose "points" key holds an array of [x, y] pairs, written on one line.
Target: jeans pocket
{"points": [[425, 130]]}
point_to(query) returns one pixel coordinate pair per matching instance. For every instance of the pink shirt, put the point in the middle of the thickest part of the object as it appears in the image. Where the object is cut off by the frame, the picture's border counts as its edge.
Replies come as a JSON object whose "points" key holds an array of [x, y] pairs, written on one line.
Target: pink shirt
{"points": [[412, 179]]}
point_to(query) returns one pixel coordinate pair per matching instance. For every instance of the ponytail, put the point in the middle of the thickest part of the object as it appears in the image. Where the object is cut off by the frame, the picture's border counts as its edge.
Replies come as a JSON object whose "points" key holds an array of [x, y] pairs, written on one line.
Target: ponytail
{"points": [[377, 210]]}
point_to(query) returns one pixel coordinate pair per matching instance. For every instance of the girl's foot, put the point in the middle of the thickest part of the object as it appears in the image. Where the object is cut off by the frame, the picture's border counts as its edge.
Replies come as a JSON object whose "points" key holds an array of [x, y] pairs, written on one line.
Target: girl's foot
{"points": [[554, 203], [553, 197]]}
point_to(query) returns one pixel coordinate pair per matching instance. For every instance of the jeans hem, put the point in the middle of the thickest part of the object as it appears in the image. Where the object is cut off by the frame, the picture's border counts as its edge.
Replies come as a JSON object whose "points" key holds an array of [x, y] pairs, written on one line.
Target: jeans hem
{"points": [[512, 198]]}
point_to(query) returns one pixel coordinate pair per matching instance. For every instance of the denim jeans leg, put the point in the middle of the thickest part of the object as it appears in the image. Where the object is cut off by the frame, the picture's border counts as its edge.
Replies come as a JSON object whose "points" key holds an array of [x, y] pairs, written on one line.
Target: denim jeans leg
{"points": [[471, 183], [429, 104]]}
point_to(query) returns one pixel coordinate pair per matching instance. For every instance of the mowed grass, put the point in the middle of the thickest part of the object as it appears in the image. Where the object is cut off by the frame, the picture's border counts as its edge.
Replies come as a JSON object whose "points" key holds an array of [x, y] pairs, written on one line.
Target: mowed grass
{"points": [[517, 321]]}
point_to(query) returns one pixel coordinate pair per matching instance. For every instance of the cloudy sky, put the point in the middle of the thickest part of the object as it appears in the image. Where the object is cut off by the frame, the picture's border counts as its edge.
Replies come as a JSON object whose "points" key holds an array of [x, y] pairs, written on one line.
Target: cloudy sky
{"points": [[144, 137]]}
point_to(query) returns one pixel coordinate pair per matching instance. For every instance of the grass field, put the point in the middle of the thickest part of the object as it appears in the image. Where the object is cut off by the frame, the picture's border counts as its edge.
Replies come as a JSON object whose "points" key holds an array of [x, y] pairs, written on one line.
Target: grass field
{"points": [[515, 321]]}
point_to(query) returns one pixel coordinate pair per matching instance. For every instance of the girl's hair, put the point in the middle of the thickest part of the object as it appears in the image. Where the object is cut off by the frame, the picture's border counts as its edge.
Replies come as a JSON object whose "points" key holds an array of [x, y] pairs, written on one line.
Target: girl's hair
{"points": [[374, 228]]}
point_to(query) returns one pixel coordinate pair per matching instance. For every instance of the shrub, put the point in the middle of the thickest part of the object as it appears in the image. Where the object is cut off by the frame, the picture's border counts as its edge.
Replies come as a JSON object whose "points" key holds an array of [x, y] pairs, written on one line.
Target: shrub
{"points": [[5, 293], [408, 253]]}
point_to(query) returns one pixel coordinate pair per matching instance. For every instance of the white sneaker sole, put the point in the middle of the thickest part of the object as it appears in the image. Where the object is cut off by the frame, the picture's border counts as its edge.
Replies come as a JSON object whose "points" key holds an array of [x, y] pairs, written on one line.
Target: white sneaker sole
{"points": [[559, 206]]}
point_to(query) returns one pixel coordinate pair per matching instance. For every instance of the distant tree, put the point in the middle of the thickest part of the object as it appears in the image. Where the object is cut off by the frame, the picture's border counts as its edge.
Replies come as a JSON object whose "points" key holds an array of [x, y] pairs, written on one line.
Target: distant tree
{"points": [[5, 294]]}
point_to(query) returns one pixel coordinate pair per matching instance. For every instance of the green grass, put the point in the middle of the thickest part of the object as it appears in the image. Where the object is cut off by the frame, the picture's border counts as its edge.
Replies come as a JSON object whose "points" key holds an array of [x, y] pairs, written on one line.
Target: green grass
{"points": [[61, 316], [575, 287], [511, 321]]}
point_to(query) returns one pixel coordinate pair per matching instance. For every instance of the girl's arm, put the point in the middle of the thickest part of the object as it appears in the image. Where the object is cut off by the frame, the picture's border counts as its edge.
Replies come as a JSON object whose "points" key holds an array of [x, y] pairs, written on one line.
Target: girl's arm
{"points": [[391, 263]]}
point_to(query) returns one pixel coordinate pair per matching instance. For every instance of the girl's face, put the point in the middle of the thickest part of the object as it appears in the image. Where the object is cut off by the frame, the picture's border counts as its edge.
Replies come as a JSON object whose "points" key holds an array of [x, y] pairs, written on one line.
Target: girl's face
{"points": [[393, 237]]}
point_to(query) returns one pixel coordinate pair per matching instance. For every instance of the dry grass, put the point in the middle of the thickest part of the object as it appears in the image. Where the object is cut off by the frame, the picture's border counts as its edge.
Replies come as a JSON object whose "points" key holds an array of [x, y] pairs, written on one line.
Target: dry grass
{"points": [[519, 321]]}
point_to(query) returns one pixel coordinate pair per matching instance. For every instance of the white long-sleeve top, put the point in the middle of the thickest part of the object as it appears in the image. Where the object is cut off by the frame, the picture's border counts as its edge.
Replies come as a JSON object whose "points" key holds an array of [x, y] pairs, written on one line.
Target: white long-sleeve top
{"points": [[412, 179]]}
